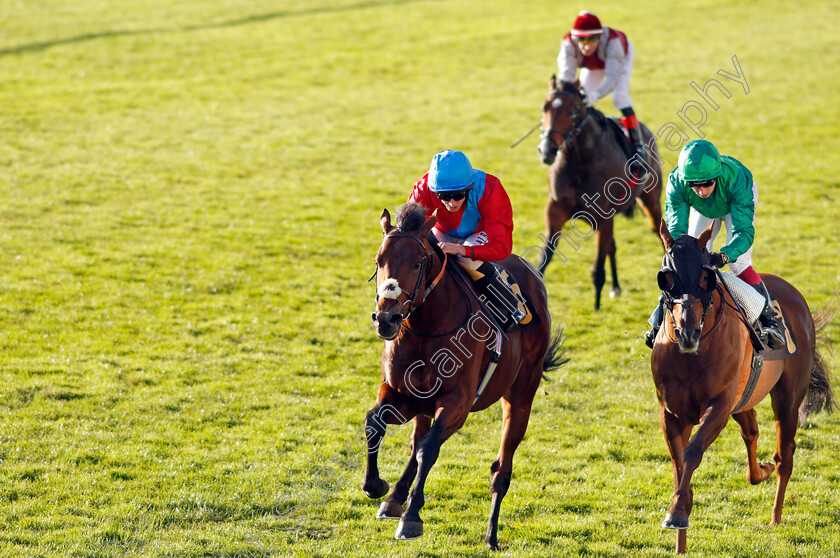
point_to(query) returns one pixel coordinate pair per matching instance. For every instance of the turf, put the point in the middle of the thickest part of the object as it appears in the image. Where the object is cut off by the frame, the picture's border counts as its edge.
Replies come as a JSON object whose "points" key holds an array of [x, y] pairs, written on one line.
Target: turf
{"points": [[190, 202]]}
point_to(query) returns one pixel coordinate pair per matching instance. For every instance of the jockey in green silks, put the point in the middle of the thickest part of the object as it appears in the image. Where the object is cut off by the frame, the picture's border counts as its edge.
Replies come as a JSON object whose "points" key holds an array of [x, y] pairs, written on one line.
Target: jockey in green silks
{"points": [[708, 187]]}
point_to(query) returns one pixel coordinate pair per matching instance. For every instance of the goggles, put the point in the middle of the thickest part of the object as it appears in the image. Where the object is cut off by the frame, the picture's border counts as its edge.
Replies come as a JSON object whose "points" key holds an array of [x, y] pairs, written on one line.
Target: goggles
{"points": [[587, 39], [701, 184], [453, 196]]}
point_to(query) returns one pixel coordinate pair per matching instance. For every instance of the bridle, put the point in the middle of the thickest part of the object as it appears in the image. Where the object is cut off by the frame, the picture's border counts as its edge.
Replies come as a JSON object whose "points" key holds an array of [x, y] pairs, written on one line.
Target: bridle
{"points": [[574, 127], [690, 292], [669, 300], [411, 301]]}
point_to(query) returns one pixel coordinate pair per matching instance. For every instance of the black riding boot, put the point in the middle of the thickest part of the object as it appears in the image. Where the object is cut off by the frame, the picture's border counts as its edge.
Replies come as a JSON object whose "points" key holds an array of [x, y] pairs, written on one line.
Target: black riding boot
{"points": [[498, 290], [771, 335], [639, 161], [655, 321]]}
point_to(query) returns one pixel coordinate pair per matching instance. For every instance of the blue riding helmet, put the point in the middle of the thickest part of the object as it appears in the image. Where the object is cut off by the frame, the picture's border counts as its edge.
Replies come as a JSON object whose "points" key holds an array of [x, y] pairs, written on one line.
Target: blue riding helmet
{"points": [[450, 172]]}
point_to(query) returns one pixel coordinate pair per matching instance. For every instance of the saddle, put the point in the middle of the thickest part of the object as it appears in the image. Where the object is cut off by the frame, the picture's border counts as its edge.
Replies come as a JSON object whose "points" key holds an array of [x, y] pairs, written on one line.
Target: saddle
{"points": [[468, 276], [621, 136], [761, 352]]}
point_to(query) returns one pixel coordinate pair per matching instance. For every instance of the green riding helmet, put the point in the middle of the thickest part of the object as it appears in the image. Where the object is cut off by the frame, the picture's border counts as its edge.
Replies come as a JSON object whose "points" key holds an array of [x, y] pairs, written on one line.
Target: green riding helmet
{"points": [[699, 161]]}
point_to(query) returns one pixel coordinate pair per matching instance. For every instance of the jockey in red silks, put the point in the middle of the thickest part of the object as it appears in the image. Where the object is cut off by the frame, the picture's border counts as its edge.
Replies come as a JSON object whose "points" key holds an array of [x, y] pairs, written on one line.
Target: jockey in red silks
{"points": [[605, 59], [475, 224]]}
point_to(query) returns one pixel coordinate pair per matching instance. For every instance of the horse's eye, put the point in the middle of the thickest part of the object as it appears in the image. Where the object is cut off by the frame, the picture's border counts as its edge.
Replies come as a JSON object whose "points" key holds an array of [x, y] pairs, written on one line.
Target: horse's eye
{"points": [[417, 265]]}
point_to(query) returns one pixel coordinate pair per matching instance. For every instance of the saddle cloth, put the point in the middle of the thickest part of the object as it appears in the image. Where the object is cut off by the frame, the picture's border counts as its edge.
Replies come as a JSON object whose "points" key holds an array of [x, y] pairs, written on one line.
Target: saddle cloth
{"points": [[762, 353], [621, 136]]}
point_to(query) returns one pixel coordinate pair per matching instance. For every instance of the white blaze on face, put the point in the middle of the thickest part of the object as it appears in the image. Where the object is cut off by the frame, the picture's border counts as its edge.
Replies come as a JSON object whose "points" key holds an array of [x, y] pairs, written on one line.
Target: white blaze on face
{"points": [[389, 288]]}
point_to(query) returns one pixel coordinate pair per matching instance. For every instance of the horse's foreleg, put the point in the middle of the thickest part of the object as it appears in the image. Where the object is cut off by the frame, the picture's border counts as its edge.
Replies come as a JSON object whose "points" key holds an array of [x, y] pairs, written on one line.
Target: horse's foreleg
{"points": [[677, 434], [756, 472], [514, 424], [392, 507], [556, 215], [445, 424], [711, 424], [388, 410]]}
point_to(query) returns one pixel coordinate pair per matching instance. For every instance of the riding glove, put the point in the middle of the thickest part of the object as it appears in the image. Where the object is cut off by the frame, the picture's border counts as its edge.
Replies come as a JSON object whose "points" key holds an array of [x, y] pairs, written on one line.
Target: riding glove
{"points": [[718, 259]]}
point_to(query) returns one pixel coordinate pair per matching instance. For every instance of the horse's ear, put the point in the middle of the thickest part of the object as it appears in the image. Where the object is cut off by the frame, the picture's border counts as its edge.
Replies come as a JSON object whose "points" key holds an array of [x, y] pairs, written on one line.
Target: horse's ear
{"points": [[665, 280], [552, 84], [665, 234], [427, 226], [385, 221], [704, 237]]}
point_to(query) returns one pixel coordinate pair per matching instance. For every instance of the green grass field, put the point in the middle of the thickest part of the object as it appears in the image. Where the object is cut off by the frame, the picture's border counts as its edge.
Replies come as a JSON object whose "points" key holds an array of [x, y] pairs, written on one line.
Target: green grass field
{"points": [[190, 198]]}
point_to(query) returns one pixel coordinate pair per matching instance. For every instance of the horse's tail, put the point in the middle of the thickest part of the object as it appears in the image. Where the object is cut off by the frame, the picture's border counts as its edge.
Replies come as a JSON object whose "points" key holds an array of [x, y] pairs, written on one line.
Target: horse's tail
{"points": [[555, 356], [820, 394]]}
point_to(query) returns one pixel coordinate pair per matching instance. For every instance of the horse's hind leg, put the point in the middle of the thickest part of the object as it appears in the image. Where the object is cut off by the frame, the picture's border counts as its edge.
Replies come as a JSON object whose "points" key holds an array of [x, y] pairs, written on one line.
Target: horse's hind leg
{"points": [[392, 507], [650, 205], [756, 472], [599, 276], [514, 423], [786, 423]]}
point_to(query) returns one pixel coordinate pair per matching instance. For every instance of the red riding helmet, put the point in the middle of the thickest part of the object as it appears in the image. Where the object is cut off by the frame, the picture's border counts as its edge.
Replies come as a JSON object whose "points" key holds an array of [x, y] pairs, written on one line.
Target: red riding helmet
{"points": [[587, 24]]}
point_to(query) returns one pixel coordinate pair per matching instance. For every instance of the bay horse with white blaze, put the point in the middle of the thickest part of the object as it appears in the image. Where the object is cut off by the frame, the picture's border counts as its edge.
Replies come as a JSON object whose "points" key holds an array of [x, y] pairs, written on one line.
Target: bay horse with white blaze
{"points": [[701, 366], [437, 343], [590, 177]]}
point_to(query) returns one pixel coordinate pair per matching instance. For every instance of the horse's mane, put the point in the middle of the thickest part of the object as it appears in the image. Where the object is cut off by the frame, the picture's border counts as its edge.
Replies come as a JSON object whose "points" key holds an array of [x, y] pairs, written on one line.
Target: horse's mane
{"points": [[410, 217], [569, 87]]}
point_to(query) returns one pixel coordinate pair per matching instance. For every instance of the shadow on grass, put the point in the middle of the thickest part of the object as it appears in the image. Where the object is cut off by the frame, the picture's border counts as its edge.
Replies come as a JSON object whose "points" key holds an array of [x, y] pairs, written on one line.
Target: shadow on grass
{"points": [[34, 47]]}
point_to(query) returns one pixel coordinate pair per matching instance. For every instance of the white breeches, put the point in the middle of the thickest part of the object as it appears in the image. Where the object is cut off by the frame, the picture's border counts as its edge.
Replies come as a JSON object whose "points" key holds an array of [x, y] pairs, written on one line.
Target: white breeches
{"points": [[698, 223], [591, 80]]}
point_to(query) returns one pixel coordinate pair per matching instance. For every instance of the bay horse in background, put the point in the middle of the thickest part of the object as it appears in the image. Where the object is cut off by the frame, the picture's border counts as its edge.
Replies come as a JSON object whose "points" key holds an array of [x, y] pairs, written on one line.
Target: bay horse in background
{"points": [[701, 365], [436, 352], [590, 177]]}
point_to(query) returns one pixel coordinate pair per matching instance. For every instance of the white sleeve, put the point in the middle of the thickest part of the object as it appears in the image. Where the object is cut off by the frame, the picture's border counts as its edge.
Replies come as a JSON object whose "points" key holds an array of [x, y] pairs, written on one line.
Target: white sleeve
{"points": [[613, 68], [567, 63]]}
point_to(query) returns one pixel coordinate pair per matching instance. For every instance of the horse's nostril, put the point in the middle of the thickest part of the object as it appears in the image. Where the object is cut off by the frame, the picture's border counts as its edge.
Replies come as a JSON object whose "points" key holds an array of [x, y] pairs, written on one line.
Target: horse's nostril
{"points": [[373, 316], [395, 319]]}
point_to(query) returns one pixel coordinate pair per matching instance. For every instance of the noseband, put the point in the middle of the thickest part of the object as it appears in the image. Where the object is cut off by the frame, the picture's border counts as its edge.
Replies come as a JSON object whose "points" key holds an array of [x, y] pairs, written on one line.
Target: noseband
{"points": [[421, 279], [707, 300], [572, 131]]}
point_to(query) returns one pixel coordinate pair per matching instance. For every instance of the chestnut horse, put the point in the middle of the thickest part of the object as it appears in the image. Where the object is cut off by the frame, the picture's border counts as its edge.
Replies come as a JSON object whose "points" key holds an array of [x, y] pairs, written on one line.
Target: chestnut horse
{"points": [[701, 366], [590, 179], [438, 345]]}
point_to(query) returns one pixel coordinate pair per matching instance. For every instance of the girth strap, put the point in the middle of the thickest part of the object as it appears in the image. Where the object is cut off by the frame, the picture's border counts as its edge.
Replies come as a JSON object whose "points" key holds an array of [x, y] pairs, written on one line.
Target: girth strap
{"points": [[491, 367], [755, 372]]}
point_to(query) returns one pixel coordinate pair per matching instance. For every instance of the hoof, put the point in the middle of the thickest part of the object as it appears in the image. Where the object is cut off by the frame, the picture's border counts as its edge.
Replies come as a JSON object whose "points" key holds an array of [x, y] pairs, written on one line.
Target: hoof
{"points": [[491, 545], [675, 521], [407, 530], [376, 490], [615, 293], [389, 510]]}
